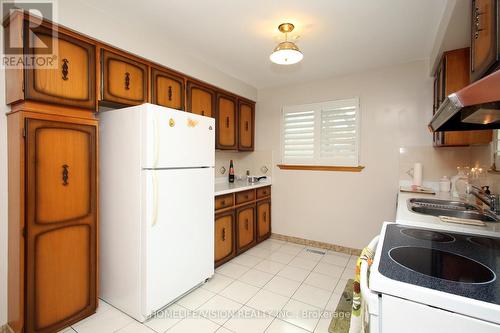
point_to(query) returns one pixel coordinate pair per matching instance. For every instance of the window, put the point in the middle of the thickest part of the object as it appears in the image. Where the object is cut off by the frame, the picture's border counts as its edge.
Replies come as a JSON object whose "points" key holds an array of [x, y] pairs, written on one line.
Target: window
{"points": [[321, 134]]}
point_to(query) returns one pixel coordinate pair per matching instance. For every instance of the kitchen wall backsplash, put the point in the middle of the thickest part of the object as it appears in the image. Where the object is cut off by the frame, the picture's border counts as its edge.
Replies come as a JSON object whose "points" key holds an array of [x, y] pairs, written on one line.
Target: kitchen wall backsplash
{"points": [[259, 163], [438, 162]]}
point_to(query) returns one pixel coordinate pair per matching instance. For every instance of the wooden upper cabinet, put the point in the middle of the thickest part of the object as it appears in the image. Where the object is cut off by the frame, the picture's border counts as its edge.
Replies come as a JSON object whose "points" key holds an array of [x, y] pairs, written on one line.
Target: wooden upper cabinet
{"points": [[61, 224], [226, 122], [224, 237], [167, 89], [246, 125], [67, 76], [485, 38], [201, 99], [451, 75], [124, 80]]}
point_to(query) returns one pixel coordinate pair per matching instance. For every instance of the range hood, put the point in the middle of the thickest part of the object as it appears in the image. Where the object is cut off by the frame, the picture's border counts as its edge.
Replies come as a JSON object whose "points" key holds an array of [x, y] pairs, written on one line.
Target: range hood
{"points": [[475, 107]]}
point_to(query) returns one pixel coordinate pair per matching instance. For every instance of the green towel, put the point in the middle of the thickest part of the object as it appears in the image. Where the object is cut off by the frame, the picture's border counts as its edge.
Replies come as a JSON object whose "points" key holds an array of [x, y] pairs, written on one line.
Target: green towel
{"points": [[341, 320]]}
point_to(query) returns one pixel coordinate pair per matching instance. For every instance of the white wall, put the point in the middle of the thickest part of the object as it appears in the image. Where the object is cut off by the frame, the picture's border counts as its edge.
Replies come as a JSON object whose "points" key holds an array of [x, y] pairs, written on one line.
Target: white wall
{"points": [[348, 208], [131, 37]]}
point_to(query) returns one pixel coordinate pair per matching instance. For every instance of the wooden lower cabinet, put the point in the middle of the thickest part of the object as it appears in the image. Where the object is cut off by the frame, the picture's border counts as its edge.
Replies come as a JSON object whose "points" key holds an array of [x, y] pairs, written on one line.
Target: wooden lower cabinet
{"points": [[241, 224], [52, 221], [245, 228], [263, 219], [224, 237]]}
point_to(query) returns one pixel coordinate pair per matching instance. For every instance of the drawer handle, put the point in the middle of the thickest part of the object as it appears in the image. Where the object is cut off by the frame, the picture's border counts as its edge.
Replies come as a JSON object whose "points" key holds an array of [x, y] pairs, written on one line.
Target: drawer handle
{"points": [[223, 202], [227, 122], [65, 174], [169, 93], [223, 234], [127, 81], [246, 125], [65, 69], [246, 224]]}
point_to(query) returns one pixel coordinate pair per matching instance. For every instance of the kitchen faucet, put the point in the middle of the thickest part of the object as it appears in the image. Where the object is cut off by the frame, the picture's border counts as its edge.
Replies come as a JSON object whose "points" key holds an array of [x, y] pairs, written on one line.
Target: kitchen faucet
{"points": [[491, 200]]}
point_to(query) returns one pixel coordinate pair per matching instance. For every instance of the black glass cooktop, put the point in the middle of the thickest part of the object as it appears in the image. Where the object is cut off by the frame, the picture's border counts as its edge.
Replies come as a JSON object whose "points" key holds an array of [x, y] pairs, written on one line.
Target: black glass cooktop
{"points": [[460, 264]]}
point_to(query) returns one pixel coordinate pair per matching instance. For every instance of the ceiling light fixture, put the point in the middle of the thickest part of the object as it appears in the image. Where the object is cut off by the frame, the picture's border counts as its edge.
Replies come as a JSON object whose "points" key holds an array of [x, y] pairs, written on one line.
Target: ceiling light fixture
{"points": [[286, 53]]}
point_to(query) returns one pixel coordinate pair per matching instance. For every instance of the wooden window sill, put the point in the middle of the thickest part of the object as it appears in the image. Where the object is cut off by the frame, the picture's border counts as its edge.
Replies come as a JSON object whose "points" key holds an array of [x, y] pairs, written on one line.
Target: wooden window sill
{"points": [[321, 168]]}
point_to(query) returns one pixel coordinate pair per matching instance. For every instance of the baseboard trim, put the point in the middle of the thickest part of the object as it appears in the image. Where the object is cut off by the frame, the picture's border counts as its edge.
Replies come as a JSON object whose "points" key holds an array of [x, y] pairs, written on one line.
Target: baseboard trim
{"points": [[321, 245]]}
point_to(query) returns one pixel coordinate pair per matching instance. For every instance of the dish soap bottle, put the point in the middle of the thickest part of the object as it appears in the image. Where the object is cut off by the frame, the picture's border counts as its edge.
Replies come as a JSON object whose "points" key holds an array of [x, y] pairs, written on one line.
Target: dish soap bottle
{"points": [[231, 172]]}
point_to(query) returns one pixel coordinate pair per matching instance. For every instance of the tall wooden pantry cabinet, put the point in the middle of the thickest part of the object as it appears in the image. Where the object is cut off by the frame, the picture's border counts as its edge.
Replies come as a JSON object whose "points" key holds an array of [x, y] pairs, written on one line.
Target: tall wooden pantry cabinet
{"points": [[52, 163]]}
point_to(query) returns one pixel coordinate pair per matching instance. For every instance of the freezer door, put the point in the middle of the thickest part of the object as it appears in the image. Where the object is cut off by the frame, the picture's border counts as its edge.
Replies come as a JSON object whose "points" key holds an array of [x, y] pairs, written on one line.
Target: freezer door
{"points": [[179, 228], [173, 138]]}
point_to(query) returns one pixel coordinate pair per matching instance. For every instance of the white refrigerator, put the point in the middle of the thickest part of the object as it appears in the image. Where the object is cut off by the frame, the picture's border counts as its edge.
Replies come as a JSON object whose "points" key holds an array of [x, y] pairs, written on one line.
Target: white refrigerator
{"points": [[156, 206]]}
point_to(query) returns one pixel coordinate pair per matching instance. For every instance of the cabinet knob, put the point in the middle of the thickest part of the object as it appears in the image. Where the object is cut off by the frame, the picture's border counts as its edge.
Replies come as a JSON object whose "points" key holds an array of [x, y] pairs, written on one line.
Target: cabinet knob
{"points": [[223, 234], [127, 81], [227, 122], [246, 224], [265, 216], [169, 93], [65, 69], [246, 125], [65, 174], [202, 112], [223, 202]]}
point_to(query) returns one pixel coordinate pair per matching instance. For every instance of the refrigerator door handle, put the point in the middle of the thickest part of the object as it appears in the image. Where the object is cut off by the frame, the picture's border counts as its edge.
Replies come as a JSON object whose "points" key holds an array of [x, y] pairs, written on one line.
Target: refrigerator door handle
{"points": [[155, 199], [156, 142]]}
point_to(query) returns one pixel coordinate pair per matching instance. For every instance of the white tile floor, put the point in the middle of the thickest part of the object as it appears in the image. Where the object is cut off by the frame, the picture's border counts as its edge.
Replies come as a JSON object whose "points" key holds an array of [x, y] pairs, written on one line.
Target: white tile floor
{"points": [[274, 287]]}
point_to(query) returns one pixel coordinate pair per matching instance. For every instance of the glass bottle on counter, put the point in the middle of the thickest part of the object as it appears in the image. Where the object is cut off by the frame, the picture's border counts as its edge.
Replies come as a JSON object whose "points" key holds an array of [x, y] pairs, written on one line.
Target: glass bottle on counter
{"points": [[231, 172]]}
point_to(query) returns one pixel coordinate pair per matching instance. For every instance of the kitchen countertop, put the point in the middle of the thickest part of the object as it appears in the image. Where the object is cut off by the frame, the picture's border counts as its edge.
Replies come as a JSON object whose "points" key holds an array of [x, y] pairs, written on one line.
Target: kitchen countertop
{"points": [[224, 187], [405, 216]]}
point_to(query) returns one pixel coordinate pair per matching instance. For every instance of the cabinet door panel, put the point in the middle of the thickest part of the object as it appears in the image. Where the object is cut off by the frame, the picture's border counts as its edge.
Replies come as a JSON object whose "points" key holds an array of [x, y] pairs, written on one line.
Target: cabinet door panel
{"points": [[246, 126], [224, 237], [263, 219], [246, 227], [167, 89], [71, 79], [61, 222], [483, 37], [226, 123], [200, 100], [124, 80]]}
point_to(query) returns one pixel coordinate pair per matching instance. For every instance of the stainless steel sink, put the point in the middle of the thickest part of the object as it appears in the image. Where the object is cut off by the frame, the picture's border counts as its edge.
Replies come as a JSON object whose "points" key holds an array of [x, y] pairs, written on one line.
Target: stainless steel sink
{"points": [[436, 207], [442, 204]]}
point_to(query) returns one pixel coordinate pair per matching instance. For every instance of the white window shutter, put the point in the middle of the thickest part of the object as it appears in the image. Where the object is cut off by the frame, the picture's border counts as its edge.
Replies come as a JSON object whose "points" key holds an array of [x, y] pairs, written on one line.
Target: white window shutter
{"points": [[298, 135], [339, 132], [321, 133]]}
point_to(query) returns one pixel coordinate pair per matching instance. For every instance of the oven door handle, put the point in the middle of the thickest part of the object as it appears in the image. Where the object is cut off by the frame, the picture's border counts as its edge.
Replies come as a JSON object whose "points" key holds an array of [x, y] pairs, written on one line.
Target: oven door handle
{"points": [[370, 298]]}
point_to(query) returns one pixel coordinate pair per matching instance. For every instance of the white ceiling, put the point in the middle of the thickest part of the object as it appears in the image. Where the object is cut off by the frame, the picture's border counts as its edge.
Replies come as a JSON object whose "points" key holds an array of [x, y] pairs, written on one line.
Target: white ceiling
{"points": [[336, 36]]}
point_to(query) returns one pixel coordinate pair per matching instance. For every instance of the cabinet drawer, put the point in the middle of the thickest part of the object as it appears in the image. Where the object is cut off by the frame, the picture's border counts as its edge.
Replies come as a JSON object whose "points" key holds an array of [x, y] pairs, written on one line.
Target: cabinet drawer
{"points": [[224, 201], [124, 80], [263, 192], [245, 196], [72, 80], [167, 89]]}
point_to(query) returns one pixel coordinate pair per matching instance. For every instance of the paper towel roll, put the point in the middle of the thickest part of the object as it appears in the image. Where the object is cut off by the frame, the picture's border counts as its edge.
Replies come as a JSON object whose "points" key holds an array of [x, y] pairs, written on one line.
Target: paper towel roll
{"points": [[417, 174]]}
